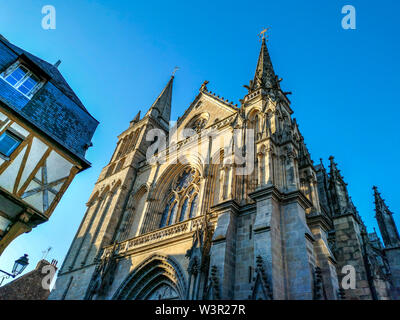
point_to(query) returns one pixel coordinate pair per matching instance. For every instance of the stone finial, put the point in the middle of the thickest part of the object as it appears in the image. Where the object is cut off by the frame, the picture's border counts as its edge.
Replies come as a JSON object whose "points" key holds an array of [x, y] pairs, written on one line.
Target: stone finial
{"points": [[136, 119], [204, 86]]}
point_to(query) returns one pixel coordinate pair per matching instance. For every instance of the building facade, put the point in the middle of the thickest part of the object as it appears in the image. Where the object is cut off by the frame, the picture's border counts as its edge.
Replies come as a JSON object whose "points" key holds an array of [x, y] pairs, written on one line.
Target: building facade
{"points": [[226, 204], [44, 133], [33, 285]]}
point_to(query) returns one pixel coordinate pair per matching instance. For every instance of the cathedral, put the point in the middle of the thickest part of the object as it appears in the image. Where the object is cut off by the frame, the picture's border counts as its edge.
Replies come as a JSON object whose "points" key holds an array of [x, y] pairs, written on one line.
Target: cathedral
{"points": [[226, 204]]}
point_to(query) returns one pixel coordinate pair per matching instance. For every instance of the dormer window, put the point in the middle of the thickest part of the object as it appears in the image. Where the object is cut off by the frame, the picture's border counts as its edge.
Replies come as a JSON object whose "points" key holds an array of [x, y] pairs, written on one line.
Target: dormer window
{"points": [[8, 143], [22, 79]]}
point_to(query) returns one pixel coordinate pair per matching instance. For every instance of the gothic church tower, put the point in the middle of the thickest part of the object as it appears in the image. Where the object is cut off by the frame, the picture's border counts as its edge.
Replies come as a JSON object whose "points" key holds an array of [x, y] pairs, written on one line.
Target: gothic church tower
{"points": [[102, 224]]}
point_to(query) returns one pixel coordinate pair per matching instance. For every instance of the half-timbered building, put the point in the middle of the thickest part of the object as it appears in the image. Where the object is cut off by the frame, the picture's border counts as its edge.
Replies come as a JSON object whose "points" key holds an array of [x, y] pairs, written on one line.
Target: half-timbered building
{"points": [[44, 133]]}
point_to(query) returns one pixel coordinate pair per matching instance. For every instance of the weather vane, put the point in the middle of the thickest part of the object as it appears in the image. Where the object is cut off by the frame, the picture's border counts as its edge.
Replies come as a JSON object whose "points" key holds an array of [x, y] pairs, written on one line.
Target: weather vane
{"points": [[175, 70], [262, 34], [46, 252]]}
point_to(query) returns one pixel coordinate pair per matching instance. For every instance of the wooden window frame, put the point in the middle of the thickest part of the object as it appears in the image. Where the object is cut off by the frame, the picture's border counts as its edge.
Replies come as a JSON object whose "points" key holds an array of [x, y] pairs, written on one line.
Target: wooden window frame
{"points": [[28, 74]]}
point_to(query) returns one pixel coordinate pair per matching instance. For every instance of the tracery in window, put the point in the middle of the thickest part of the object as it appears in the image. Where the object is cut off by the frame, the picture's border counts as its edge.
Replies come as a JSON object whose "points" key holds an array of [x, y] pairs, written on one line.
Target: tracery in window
{"points": [[197, 123], [182, 202]]}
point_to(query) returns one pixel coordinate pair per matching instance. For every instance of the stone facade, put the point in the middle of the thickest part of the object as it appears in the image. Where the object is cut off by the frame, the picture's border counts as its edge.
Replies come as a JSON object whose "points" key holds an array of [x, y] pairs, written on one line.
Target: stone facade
{"points": [[230, 206]]}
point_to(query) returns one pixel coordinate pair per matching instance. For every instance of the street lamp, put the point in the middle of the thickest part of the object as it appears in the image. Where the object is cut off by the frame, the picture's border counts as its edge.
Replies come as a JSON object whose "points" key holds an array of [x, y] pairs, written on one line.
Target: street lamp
{"points": [[19, 266]]}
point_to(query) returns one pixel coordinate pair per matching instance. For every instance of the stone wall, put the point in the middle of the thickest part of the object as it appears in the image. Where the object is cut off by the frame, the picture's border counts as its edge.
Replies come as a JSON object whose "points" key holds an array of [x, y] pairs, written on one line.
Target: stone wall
{"points": [[349, 252], [393, 257]]}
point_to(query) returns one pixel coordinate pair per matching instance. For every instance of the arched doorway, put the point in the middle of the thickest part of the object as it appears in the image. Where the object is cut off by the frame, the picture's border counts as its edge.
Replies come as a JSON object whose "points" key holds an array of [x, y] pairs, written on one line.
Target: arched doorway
{"points": [[157, 278]]}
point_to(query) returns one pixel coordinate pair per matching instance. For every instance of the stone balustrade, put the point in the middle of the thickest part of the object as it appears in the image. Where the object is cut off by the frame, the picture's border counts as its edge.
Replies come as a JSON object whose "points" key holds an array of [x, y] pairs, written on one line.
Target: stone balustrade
{"points": [[158, 235]]}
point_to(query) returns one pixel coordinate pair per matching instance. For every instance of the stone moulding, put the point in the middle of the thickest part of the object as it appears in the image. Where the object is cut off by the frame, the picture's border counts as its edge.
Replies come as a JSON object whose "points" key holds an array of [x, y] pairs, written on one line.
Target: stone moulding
{"points": [[136, 284]]}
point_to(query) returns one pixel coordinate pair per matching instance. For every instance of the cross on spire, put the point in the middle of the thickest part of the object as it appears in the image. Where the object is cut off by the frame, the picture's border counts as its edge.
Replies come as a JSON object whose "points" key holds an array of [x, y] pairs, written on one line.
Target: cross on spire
{"points": [[264, 76], [175, 70], [262, 34]]}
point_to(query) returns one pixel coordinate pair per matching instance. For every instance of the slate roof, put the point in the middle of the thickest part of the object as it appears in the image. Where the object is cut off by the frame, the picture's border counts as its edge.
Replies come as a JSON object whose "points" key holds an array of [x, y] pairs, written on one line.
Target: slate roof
{"points": [[54, 109], [56, 77]]}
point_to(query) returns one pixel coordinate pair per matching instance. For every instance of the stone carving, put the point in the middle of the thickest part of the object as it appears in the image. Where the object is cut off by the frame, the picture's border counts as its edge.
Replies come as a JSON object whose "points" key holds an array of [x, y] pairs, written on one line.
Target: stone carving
{"points": [[103, 276], [319, 290], [261, 288], [204, 86], [164, 292], [213, 291], [198, 254]]}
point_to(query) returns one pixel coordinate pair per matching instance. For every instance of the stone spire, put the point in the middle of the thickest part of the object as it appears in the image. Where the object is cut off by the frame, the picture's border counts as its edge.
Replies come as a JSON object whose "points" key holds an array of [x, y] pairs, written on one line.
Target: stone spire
{"points": [[161, 108], [334, 171], [338, 189], [265, 76], [387, 226]]}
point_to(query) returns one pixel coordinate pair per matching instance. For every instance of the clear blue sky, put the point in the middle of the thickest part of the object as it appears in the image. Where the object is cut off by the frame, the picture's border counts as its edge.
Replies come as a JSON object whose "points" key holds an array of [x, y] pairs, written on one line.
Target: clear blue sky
{"points": [[118, 55]]}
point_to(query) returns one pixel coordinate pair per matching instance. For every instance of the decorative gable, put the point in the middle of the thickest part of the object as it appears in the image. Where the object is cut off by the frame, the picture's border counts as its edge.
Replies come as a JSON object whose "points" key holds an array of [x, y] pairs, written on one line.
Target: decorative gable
{"points": [[206, 109]]}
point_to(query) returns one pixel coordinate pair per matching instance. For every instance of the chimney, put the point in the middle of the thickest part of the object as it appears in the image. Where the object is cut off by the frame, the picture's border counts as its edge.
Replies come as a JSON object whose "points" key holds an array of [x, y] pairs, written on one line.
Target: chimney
{"points": [[57, 63]]}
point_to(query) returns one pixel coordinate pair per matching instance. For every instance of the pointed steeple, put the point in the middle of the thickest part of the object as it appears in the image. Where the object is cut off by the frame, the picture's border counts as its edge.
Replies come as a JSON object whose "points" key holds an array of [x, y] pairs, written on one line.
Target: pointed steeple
{"points": [[387, 226], [265, 75], [338, 188], [161, 108], [334, 172]]}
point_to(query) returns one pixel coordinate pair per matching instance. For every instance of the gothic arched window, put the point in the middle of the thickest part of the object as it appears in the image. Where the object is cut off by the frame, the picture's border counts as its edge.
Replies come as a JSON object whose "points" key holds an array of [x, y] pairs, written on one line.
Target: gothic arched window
{"points": [[172, 214], [256, 126], [182, 204], [193, 207], [183, 210], [197, 123], [166, 212]]}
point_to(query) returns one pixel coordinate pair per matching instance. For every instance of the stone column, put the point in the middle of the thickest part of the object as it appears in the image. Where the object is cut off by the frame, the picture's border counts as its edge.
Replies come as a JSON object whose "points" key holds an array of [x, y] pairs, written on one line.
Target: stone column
{"points": [[201, 195], [298, 245], [314, 194], [221, 184], [269, 167], [268, 238], [282, 172], [261, 169], [223, 248], [319, 226], [229, 181], [291, 174]]}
